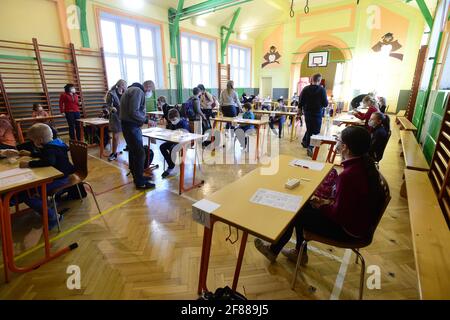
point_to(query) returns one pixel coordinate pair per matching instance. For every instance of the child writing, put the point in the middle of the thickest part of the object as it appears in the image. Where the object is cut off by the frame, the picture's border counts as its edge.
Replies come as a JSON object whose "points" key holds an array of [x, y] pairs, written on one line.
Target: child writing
{"points": [[51, 153], [175, 123]]}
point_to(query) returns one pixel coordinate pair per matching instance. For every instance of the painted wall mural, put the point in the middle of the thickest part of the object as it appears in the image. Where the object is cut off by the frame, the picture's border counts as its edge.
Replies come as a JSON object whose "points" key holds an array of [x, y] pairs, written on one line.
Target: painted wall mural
{"points": [[271, 57], [390, 44]]}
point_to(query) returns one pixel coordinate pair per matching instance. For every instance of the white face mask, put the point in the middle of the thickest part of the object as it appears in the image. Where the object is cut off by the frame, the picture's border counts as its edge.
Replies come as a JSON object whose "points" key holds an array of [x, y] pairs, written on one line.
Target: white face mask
{"points": [[372, 124], [72, 90], [149, 94], [175, 121]]}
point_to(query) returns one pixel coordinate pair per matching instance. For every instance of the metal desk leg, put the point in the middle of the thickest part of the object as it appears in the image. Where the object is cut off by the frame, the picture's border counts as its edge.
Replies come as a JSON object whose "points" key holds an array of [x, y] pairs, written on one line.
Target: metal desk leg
{"points": [[102, 138], [257, 143], [204, 261], [292, 128], [239, 261], [9, 239], [4, 246]]}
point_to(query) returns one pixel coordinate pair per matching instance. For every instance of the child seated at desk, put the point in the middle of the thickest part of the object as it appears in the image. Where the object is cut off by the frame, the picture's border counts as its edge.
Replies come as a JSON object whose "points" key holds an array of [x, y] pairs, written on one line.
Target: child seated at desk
{"points": [[39, 112], [175, 123], [371, 103], [248, 114], [358, 201], [7, 139], [278, 119], [51, 153]]}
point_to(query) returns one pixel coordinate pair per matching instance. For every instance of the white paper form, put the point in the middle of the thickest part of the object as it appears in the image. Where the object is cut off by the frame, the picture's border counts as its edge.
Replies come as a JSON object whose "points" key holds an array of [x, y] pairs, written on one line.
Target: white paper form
{"points": [[278, 200], [14, 172], [8, 180], [313, 165], [201, 211]]}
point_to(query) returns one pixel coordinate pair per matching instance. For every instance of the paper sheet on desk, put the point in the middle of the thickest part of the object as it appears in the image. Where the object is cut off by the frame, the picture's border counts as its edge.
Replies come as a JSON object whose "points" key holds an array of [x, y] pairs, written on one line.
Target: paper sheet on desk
{"points": [[277, 200], [313, 165], [11, 180], [14, 172], [201, 211]]}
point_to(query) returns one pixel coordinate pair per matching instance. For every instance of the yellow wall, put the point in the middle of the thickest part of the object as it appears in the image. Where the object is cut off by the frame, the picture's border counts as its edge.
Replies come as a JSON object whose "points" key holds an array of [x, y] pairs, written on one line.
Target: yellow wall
{"points": [[349, 30], [21, 20]]}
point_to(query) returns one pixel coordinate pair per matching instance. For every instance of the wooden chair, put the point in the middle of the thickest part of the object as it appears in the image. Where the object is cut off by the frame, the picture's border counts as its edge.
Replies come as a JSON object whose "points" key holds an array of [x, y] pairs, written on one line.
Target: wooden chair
{"points": [[346, 241], [79, 152]]}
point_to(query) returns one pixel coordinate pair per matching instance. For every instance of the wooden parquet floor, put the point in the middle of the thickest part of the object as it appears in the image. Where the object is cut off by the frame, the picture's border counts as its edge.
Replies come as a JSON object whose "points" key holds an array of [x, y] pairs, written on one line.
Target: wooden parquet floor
{"points": [[146, 246]]}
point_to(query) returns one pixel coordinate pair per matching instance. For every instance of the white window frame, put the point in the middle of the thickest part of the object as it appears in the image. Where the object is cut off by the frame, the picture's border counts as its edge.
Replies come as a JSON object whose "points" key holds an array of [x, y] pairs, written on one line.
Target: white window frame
{"points": [[240, 83], [212, 66], [157, 48]]}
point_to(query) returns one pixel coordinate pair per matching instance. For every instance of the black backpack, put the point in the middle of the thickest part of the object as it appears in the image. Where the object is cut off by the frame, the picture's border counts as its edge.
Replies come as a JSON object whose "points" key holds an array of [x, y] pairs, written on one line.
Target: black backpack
{"points": [[223, 294], [187, 109]]}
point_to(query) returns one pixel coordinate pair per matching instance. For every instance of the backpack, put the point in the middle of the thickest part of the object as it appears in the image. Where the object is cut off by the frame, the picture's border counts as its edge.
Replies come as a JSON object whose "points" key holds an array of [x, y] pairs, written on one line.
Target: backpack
{"points": [[223, 294], [187, 109]]}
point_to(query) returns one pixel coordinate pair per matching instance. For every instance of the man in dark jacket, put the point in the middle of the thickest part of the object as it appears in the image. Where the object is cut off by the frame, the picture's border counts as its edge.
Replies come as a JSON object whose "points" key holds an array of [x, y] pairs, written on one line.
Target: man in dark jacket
{"points": [[133, 116], [379, 136], [313, 99]]}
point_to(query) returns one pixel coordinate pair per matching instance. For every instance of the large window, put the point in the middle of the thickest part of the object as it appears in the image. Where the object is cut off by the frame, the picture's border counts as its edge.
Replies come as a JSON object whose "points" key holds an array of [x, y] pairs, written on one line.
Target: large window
{"points": [[132, 50], [198, 56], [239, 60]]}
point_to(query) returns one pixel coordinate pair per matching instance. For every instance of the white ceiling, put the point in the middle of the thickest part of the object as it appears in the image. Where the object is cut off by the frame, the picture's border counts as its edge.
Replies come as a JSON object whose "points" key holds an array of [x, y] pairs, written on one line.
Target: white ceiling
{"points": [[257, 15]]}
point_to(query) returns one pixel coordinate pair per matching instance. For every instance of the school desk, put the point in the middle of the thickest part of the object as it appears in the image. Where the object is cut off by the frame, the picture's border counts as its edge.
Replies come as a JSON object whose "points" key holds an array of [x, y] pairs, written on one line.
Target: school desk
{"points": [[328, 137], [291, 115], [99, 123], [31, 119], [14, 180], [182, 138], [257, 123], [261, 221], [348, 120]]}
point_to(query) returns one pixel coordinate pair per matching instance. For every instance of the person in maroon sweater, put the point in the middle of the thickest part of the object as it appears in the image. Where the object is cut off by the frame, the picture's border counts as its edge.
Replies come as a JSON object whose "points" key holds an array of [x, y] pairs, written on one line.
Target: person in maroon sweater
{"points": [[354, 210], [69, 106], [370, 102]]}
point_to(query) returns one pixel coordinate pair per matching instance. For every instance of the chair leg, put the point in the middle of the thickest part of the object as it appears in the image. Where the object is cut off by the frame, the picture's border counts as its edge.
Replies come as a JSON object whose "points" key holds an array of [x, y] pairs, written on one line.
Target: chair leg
{"points": [[56, 211], [363, 270], [79, 193], [299, 258], [93, 194]]}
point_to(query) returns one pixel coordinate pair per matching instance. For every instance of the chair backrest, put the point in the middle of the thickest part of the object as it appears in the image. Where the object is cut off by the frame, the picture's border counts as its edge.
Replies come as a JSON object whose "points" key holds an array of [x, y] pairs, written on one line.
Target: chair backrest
{"points": [[79, 152], [380, 156], [387, 199]]}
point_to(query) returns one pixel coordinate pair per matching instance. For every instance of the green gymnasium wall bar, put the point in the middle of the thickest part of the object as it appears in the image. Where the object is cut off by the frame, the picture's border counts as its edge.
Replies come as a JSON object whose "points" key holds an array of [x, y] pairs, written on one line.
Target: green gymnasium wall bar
{"points": [[225, 38]]}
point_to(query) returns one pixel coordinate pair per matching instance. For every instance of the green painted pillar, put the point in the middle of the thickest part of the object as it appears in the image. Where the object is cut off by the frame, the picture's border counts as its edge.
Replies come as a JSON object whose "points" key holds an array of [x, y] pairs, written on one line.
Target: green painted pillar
{"points": [[230, 30], [83, 23]]}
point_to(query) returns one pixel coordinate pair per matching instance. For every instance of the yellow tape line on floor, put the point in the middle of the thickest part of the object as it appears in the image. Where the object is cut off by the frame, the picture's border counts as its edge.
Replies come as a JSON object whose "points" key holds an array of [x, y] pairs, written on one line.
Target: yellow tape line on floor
{"points": [[78, 226]]}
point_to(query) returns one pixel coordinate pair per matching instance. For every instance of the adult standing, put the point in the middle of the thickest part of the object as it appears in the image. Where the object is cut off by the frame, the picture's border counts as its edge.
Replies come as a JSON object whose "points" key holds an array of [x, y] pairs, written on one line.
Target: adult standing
{"points": [[132, 116], [113, 102], [229, 102], [313, 99], [69, 106], [206, 102]]}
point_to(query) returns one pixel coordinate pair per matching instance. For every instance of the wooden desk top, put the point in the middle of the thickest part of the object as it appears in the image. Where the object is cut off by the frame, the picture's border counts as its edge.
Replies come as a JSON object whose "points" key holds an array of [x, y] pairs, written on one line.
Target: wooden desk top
{"points": [[263, 221], [175, 136], [401, 113], [284, 113], [94, 121], [241, 121], [38, 118], [414, 158], [347, 119], [430, 235], [406, 124], [27, 177]]}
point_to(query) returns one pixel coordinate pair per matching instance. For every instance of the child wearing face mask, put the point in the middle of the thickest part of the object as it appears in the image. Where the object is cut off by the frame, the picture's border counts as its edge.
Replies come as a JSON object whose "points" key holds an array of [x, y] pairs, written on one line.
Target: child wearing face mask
{"points": [[50, 153], [175, 123], [69, 106], [39, 112]]}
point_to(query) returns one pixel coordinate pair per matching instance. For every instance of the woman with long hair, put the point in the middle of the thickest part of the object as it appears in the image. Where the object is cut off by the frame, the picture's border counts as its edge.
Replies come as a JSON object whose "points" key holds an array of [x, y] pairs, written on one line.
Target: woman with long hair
{"points": [[372, 104], [355, 209], [113, 102], [229, 102]]}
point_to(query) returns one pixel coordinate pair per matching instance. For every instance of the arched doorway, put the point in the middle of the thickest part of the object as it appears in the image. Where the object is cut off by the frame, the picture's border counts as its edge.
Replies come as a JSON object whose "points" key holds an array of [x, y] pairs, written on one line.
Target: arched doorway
{"points": [[335, 73]]}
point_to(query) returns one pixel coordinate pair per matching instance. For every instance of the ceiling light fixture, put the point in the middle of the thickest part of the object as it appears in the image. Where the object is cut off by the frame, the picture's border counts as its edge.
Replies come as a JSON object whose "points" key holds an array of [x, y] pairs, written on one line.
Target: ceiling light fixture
{"points": [[200, 22], [243, 36]]}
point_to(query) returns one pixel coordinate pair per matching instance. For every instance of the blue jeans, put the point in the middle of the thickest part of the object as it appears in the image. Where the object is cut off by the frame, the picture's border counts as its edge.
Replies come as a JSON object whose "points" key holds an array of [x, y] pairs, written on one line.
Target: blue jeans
{"points": [[136, 154], [313, 125], [74, 125], [35, 201]]}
